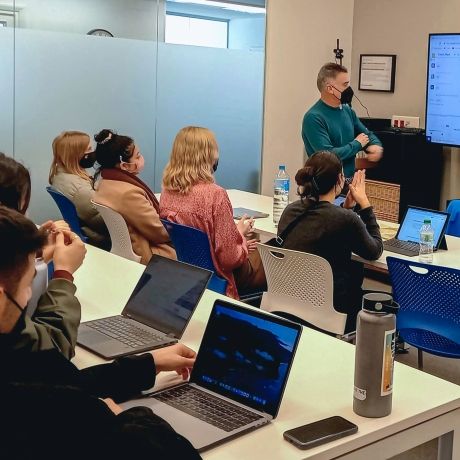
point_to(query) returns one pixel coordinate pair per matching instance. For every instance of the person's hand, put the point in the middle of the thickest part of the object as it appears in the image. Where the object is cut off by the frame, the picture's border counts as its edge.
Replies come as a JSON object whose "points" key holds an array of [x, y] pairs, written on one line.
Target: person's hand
{"points": [[68, 256], [374, 153], [51, 228], [245, 225], [252, 245], [177, 358], [60, 225], [358, 189], [363, 139], [113, 406], [350, 202]]}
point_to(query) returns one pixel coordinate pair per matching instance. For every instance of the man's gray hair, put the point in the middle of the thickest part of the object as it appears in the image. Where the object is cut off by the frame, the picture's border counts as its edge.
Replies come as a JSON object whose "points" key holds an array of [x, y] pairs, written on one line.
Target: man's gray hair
{"points": [[328, 72]]}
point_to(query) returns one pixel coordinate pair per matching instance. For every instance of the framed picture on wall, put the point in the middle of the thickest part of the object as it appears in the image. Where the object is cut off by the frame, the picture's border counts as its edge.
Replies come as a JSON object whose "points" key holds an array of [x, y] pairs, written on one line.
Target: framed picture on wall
{"points": [[377, 72]]}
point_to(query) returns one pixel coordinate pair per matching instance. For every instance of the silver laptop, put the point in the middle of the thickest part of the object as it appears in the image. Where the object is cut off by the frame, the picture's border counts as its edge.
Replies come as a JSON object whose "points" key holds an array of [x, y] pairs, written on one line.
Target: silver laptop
{"points": [[407, 240], [238, 213], [155, 315], [238, 379]]}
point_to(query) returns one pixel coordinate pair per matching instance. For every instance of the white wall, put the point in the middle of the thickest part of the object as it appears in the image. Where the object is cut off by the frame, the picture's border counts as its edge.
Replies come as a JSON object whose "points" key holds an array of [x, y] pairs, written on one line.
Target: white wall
{"points": [[124, 18], [301, 35]]}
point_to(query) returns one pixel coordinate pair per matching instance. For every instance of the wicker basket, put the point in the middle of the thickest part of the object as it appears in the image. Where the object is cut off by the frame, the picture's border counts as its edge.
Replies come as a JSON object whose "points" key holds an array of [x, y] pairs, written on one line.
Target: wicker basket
{"points": [[384, 197]]}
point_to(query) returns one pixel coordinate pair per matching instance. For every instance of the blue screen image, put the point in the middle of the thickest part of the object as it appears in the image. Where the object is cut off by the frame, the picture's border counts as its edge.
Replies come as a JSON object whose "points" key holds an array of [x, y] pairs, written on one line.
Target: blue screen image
{"points": [[410, 227], [246, 357]]}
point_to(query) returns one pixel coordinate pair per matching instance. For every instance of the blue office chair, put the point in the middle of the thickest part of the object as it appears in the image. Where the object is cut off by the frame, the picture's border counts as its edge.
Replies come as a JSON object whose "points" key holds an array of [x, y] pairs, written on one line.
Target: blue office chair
{"points": [[192, 246], [68, 211], [429, 299], [453, 227]]}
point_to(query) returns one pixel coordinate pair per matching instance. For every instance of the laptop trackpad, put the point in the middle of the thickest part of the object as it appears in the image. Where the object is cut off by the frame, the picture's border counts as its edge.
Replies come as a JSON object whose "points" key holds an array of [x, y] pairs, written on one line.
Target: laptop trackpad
{"points": [[199, 433], [100, 343], [90, 336]]}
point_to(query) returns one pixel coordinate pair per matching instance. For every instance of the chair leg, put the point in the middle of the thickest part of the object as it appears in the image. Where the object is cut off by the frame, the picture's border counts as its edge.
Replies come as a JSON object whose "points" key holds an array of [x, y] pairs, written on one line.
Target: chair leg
{"points": [[420, 359]]}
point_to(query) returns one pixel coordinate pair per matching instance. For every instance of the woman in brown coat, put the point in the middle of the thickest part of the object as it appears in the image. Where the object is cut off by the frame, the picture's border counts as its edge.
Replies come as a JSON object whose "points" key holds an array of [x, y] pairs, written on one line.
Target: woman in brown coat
{"points": [[121, 189]]}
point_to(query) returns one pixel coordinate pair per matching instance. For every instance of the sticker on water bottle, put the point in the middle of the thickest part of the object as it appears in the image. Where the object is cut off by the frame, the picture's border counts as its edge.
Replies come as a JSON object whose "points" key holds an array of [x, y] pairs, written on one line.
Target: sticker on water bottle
{"points": [[388, 362], [359, 393]]}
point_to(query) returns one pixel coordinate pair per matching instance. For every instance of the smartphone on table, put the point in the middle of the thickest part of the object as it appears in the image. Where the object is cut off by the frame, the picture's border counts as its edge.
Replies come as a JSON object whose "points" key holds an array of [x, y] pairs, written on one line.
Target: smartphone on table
{"points": [[320, 432]]}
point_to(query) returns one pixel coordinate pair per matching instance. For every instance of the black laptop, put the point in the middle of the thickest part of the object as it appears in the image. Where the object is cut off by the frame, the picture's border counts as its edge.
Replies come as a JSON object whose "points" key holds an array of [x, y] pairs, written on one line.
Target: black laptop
{"points": [[155, 315], [238, 381], [407, 240]]}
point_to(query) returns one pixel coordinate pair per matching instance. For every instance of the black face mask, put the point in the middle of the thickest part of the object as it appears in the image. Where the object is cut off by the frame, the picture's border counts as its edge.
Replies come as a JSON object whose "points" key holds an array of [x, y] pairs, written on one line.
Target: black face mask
{"points": [[88, 160], [347, 96], [9, 339], [215, 165]]}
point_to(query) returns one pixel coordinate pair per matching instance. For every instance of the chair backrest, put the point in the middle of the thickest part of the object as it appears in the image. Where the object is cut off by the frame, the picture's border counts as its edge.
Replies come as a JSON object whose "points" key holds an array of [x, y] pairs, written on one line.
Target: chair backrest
{"points": [[453, 227], [300, 284], [119, 234], [68, 211], [192, 247], [428, 296]]}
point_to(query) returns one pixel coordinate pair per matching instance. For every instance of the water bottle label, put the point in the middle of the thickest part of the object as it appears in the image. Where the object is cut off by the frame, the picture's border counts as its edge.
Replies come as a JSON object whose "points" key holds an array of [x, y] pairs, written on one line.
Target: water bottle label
{"points": [[359, 393], [388, 362]]}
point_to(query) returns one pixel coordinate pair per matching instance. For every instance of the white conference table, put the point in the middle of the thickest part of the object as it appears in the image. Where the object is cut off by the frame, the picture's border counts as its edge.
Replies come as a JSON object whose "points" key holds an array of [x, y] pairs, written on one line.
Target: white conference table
{"points": [[320, 384], [238, 198]]}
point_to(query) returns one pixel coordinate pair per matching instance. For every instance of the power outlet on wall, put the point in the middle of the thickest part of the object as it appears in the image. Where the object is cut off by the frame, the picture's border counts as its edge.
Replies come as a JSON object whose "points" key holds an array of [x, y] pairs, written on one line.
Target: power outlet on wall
{"points": [[402, 121]]}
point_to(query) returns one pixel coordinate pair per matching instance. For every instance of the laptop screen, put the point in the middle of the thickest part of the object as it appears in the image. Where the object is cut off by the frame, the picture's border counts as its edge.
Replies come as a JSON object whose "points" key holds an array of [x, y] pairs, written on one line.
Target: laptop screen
{"points": [[246, 355], [167, 294], [409, 229]]}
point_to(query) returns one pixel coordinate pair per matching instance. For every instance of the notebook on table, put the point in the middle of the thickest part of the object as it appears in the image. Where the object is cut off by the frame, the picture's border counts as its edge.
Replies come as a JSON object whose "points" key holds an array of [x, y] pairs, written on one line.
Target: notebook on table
{"points": [[238, 380], [238, 213], [155, 315], [407, 240]]}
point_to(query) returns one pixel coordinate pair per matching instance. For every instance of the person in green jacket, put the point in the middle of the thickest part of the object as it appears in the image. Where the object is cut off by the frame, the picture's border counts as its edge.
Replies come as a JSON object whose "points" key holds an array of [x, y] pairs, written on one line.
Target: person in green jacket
{"points": [[332, 125], [54, 324]]}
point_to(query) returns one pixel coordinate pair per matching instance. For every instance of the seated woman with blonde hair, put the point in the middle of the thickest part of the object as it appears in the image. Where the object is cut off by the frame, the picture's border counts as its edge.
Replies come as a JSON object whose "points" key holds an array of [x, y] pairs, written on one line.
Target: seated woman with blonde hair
{"points": [[191, 197], [72, 155], [121, 189]]}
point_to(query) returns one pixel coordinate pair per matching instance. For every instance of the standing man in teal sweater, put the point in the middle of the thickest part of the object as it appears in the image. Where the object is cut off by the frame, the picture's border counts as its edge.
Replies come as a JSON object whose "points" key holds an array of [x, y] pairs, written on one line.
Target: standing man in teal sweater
{"points": [[331, 124]]}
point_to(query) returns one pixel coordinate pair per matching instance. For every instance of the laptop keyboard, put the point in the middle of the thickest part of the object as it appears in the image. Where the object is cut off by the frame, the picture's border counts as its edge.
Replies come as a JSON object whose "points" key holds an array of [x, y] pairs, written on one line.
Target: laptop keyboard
{"points": [[408, 247], [124, 331], [206, 407]]}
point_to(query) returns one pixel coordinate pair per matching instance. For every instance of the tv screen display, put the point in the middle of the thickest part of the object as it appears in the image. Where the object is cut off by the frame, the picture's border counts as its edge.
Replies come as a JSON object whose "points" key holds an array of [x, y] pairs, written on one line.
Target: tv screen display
{"points": [[443, 89]]}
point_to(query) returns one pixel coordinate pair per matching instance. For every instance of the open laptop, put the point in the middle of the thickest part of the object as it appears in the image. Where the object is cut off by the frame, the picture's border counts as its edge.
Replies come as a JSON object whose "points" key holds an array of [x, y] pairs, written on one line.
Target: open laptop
{"points": [[155, 315], [407, 240], [238, 213], [238, 380]]}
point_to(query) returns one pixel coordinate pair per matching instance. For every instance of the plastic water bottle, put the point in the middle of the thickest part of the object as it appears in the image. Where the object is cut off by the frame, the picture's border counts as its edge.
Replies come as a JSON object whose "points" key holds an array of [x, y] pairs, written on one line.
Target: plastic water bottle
{"points": [[280, 193], [426, 242], [374, 355], [39, 285]]}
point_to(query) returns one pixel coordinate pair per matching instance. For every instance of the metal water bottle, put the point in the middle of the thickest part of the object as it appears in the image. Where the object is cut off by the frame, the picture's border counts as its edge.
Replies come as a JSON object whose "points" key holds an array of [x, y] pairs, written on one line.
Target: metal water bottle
{"points": [[374, 355]]}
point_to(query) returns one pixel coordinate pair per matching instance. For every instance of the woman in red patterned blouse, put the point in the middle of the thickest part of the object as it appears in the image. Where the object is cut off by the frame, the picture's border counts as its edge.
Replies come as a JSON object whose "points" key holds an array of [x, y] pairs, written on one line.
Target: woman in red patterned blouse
{"points": [[191, 197]]}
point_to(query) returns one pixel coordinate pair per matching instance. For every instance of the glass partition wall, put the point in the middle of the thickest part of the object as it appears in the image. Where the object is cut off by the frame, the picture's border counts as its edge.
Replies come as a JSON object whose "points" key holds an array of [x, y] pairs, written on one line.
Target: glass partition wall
{"points": [[92, 64]]}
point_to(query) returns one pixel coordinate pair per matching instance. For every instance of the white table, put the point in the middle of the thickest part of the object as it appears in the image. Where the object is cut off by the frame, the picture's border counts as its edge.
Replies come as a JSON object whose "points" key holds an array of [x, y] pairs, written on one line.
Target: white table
{"points": [[450, 258], [320, 384]]}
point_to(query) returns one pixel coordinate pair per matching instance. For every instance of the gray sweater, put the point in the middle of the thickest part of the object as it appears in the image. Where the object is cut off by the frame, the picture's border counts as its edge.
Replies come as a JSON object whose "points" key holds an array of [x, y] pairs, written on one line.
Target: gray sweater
{"points": [[334, 233], [80, 192]]}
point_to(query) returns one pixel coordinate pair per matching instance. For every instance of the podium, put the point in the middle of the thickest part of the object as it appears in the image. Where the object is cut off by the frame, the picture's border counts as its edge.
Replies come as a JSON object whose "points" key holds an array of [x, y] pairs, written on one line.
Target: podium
{"points": [[413, 163]]}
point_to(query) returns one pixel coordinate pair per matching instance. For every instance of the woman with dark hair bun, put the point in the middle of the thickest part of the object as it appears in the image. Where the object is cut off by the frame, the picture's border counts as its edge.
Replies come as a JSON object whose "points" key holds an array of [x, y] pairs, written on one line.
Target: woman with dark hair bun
{"points": [[334, 232], [121, 189]]}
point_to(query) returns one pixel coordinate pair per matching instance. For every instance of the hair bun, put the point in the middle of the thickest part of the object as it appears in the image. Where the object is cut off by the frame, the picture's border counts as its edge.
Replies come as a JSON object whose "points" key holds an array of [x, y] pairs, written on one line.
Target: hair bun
{"points": [[103, 136], [304, 175]]}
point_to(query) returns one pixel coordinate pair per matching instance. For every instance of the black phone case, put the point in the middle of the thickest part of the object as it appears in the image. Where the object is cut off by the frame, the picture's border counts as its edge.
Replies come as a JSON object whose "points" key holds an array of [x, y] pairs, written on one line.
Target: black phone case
{"points": [[319, 441]]}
